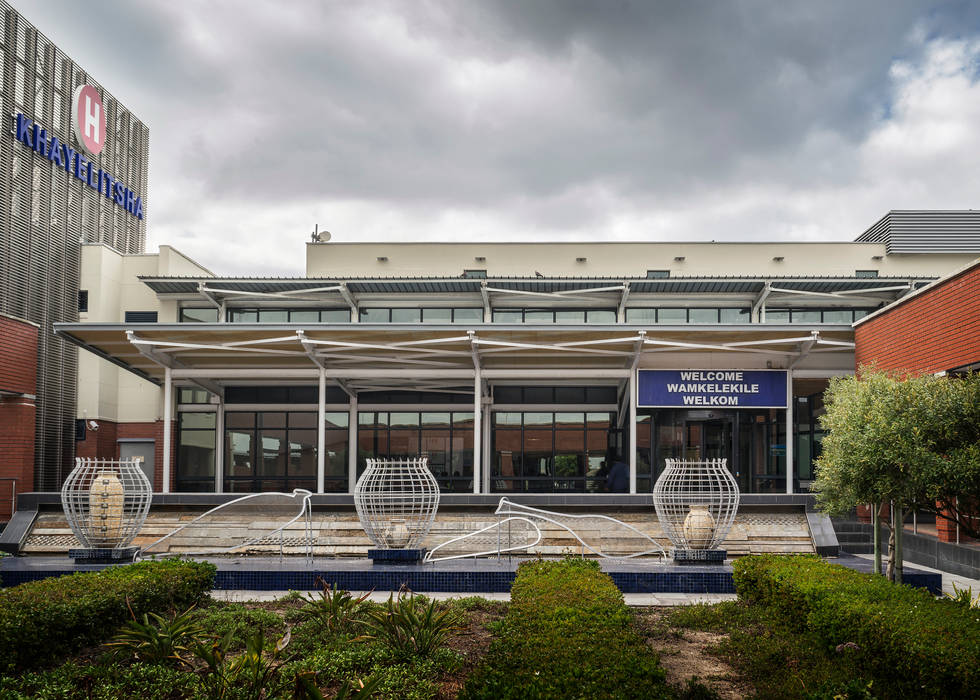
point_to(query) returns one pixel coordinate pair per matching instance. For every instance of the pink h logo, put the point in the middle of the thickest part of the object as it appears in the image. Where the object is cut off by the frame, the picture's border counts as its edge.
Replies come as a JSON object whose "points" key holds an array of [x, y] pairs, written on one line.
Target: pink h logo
{"points": [[88, 119]]}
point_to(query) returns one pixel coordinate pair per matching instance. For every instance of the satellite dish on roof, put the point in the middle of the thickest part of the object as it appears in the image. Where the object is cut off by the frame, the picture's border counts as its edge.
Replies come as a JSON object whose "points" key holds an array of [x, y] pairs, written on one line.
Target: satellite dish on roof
{"points": [[319, 236]]}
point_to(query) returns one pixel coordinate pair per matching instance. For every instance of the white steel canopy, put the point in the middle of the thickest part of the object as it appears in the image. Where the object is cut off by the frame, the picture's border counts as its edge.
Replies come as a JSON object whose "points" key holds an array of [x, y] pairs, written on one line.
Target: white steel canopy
{"points": [[360, 353]]}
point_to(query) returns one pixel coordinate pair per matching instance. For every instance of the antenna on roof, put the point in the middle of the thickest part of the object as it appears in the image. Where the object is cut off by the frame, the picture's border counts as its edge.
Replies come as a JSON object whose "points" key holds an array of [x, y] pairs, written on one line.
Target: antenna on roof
{"points": [[319, 236]]}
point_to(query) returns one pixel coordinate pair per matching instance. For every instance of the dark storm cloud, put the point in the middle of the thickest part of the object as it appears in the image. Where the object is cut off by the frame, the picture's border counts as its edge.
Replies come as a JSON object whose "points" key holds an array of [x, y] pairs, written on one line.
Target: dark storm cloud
{"points": [[551, 116]]}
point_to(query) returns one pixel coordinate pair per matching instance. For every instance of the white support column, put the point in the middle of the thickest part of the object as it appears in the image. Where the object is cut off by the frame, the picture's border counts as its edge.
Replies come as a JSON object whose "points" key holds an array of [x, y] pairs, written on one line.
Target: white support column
{"points": [[632, 441], [352, 446], [167, 409], [219, 447], [321, 442], [789, 431], [486, 450], [477, 431]]}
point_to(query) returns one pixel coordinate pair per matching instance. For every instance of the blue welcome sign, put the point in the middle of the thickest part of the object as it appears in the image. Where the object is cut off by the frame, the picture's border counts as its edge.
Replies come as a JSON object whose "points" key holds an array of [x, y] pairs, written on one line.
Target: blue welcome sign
{"points": [[711, 388]]}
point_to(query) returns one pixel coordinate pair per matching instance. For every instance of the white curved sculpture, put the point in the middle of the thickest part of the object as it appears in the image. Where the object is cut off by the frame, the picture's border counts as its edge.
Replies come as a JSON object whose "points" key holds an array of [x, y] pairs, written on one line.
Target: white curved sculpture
{"points": [[696, 502], [396, 501], [291, 507], [532, 516], [106, 501]]}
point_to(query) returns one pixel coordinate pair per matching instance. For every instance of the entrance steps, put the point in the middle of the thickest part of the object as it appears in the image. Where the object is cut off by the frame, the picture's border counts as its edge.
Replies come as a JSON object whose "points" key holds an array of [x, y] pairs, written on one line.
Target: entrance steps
{"points": [[338, 533]]}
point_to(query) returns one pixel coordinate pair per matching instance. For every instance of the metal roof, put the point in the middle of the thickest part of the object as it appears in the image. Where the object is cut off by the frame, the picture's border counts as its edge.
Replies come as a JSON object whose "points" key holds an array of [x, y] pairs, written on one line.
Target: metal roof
{"points": [[436, 285], [926, 231]]}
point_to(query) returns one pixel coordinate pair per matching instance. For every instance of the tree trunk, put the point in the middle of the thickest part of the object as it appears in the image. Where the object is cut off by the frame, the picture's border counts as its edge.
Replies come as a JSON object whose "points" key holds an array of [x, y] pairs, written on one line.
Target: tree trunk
{"points": [[891, 545], [876, 535], [899, 528]]}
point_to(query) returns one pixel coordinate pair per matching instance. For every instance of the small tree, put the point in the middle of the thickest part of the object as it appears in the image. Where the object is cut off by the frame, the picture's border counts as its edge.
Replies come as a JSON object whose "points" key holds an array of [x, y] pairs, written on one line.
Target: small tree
{"points": [[913, 442]]}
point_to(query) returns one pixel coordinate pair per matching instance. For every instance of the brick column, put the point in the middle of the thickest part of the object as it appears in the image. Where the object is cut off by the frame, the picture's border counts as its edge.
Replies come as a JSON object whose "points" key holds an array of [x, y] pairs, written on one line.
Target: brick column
{"points": [[18, 387]]}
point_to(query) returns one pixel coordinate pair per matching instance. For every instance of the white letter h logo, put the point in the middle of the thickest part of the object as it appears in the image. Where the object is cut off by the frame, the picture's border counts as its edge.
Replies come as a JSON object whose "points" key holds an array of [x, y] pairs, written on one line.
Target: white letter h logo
{"points": [[92, 114]]}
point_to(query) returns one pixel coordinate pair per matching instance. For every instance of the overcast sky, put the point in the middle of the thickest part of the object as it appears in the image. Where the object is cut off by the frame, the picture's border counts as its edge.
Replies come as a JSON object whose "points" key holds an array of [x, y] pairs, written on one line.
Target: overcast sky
{"points": [[532, 120]]}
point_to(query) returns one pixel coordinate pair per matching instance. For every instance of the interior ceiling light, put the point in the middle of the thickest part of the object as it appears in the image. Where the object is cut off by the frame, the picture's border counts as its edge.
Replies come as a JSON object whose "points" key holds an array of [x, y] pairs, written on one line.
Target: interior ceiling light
{"points": [[382, 258], [777, 258], [480, 258], [580, 259], [679, 258]]}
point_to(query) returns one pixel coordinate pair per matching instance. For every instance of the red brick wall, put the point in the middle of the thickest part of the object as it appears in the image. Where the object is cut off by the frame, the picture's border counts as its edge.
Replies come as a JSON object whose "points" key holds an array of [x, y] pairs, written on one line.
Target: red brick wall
{"points": [[17, 415], [104, 443], [99, 443], [18, 375], [935, 331], [18, 356]]}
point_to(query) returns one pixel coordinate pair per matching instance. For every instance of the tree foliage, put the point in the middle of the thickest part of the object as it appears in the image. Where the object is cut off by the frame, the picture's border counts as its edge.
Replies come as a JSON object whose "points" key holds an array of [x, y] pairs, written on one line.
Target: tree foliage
{"points": [[911, 440]]}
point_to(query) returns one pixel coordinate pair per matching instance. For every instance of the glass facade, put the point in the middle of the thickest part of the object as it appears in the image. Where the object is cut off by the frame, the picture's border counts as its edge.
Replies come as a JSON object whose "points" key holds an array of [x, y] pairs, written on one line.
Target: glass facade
{"points": [[753, 441], [549, 451], [195, 452], [446, 438], [277, 451], [540, 449]]}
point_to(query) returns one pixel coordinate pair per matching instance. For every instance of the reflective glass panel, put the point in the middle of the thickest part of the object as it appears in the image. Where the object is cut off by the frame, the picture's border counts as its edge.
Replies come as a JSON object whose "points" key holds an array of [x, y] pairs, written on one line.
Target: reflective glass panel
{"points": [[703, 315], [671, 315], [406, 315], [467, 315]]}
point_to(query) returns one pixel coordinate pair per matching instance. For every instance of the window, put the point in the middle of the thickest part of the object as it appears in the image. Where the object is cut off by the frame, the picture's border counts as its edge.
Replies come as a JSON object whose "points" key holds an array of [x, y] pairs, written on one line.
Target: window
{"points": [[658, 274], [269, 315], [190, 395], [83, 300], [199, 315], [555, 394], [475, 274], [195, 451], [422, 315], [550, 452], [283, 394], [141, 317], [445, 438], [557, 316], [679, 316], [277, 451], [815, 316], [866, 273]]}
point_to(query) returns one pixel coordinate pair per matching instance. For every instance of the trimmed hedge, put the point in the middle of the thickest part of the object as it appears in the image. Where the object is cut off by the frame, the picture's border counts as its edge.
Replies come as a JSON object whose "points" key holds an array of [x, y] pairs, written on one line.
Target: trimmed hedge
{"points": [[911, 644], [567, 634], [42, 621]]}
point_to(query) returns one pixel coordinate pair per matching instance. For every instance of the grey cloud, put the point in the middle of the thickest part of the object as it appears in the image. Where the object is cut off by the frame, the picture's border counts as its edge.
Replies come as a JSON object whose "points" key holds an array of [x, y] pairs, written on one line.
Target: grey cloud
{"points": [[526, 111]]}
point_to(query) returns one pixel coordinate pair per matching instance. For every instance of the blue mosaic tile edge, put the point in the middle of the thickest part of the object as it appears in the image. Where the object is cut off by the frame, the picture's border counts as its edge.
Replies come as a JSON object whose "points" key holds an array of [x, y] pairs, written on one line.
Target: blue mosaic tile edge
{"points": [[478, 578]]}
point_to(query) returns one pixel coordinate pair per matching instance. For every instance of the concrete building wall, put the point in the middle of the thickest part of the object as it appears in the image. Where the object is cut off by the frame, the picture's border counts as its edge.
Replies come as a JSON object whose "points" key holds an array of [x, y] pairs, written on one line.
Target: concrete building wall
{"points": [[123, 405], [619, 259]]}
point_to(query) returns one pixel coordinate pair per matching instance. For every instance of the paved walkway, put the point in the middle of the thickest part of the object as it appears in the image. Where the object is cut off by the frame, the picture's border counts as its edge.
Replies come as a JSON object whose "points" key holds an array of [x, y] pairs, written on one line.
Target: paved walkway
{"points": [[634, 599], [948, 578]]}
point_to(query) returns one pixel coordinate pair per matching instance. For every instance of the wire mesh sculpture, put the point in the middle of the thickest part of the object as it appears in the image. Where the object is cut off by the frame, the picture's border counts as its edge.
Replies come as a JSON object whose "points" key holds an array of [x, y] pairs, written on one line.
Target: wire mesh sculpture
{"points": [[106, 501], [396, 501], [254, 518], [696, 502], [533, 517]]}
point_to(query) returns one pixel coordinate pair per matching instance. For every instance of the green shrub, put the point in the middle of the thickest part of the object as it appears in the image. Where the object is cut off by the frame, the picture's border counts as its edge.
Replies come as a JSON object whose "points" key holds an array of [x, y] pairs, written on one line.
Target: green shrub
{"points": [[336, 610], [411, 625], [220, 619], [101, 682], [45, 620], [158, 639], [910, 643], [567, 634]]}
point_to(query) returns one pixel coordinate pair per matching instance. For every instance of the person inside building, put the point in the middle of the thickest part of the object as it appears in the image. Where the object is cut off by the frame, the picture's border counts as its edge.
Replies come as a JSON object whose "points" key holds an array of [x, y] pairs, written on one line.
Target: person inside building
{"points": [[619, 475]]}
